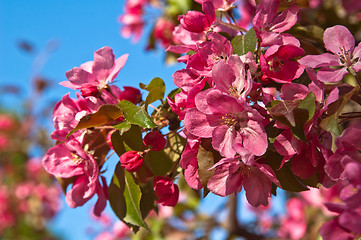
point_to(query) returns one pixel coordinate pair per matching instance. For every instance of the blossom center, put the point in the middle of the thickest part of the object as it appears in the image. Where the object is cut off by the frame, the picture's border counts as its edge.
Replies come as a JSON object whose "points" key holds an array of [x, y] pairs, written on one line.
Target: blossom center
{"points": [[244, 170], [275, 64], [234, 121], [345, 57]]}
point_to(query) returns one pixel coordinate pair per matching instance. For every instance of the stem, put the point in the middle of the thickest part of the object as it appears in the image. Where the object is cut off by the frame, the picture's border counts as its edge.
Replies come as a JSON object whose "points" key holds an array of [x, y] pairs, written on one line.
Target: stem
{"points": [[233, 224], [358, 79], [235, 27]]}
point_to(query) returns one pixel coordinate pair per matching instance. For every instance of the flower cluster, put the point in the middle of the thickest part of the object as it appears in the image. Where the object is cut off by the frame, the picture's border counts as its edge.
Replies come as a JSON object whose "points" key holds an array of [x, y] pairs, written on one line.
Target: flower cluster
{"points": [[84, 131], [241, 108], [260, 110]]}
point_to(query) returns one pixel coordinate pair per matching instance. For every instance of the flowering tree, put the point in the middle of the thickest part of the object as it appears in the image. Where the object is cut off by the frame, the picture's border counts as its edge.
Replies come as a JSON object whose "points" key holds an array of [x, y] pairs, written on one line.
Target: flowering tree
{"points": [[29, 197], [268, 99]]}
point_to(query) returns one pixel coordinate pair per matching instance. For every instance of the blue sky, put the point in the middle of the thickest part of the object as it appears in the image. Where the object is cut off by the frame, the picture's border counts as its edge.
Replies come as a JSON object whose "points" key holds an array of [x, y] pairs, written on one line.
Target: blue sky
{"points": [[78, 28]]}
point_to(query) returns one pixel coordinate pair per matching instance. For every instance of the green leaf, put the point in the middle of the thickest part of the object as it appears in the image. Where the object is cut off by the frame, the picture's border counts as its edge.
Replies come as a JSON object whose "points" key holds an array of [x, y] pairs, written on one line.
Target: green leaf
{"points": [[159, 162], [133, 139], [310, 32], [285, 176], [132, 195], [243, 44], [309, 104], [147, 202], [65, 182], [175, 146], [123, 127], [330, 123], [156, 90], [290, 114], [116, 192], [174, 92], [136, 115], [206, 157], [118, 143], [105, 114]]}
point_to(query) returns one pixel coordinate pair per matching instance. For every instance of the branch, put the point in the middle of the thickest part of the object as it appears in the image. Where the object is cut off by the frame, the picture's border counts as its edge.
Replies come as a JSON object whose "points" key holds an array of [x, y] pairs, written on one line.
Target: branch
{"points": [[233, 226]]}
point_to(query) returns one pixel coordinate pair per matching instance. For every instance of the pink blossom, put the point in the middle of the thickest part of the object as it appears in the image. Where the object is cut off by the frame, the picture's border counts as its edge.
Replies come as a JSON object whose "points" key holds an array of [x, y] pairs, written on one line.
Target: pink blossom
{"points": [[68, 160], [294, 225], [132, 19], [231, 174], [198, 22], [279, 65], [103, 70], [120, 230], [345, 57], [7, 123], [132, 161], [234, 76], [189, 161], [269, 25], [232, 124], [166, 191], [163, 31]]}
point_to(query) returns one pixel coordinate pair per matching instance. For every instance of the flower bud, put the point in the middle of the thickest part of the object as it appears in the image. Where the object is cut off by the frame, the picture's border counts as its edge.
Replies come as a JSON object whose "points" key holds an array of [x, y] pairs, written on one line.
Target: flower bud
{"points": [[132, 161], [131, 94], [156, 140], [88, 90], [166, 191]]}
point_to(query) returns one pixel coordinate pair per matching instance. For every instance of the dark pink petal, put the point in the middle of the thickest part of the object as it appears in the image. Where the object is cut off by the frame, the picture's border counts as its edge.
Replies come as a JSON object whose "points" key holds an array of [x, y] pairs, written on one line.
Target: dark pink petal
{"points": [[353, 173], [257, 187], [284, 144], [351, 137], [331, 230], [331, 75], [302, 165], [192, 178], [351, 220], [338, 37], [208, 9], [194, 21], [102, 192], [75, 197], [293, 91], [288, 52], [285, 20]]}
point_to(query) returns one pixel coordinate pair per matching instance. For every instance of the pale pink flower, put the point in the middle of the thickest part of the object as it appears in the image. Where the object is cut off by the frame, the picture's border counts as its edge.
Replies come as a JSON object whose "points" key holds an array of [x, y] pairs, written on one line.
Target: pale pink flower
{"points": [[345, 58], [103, 70], [269, 24], [232, 124], [68, 160], [231, 174]]}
